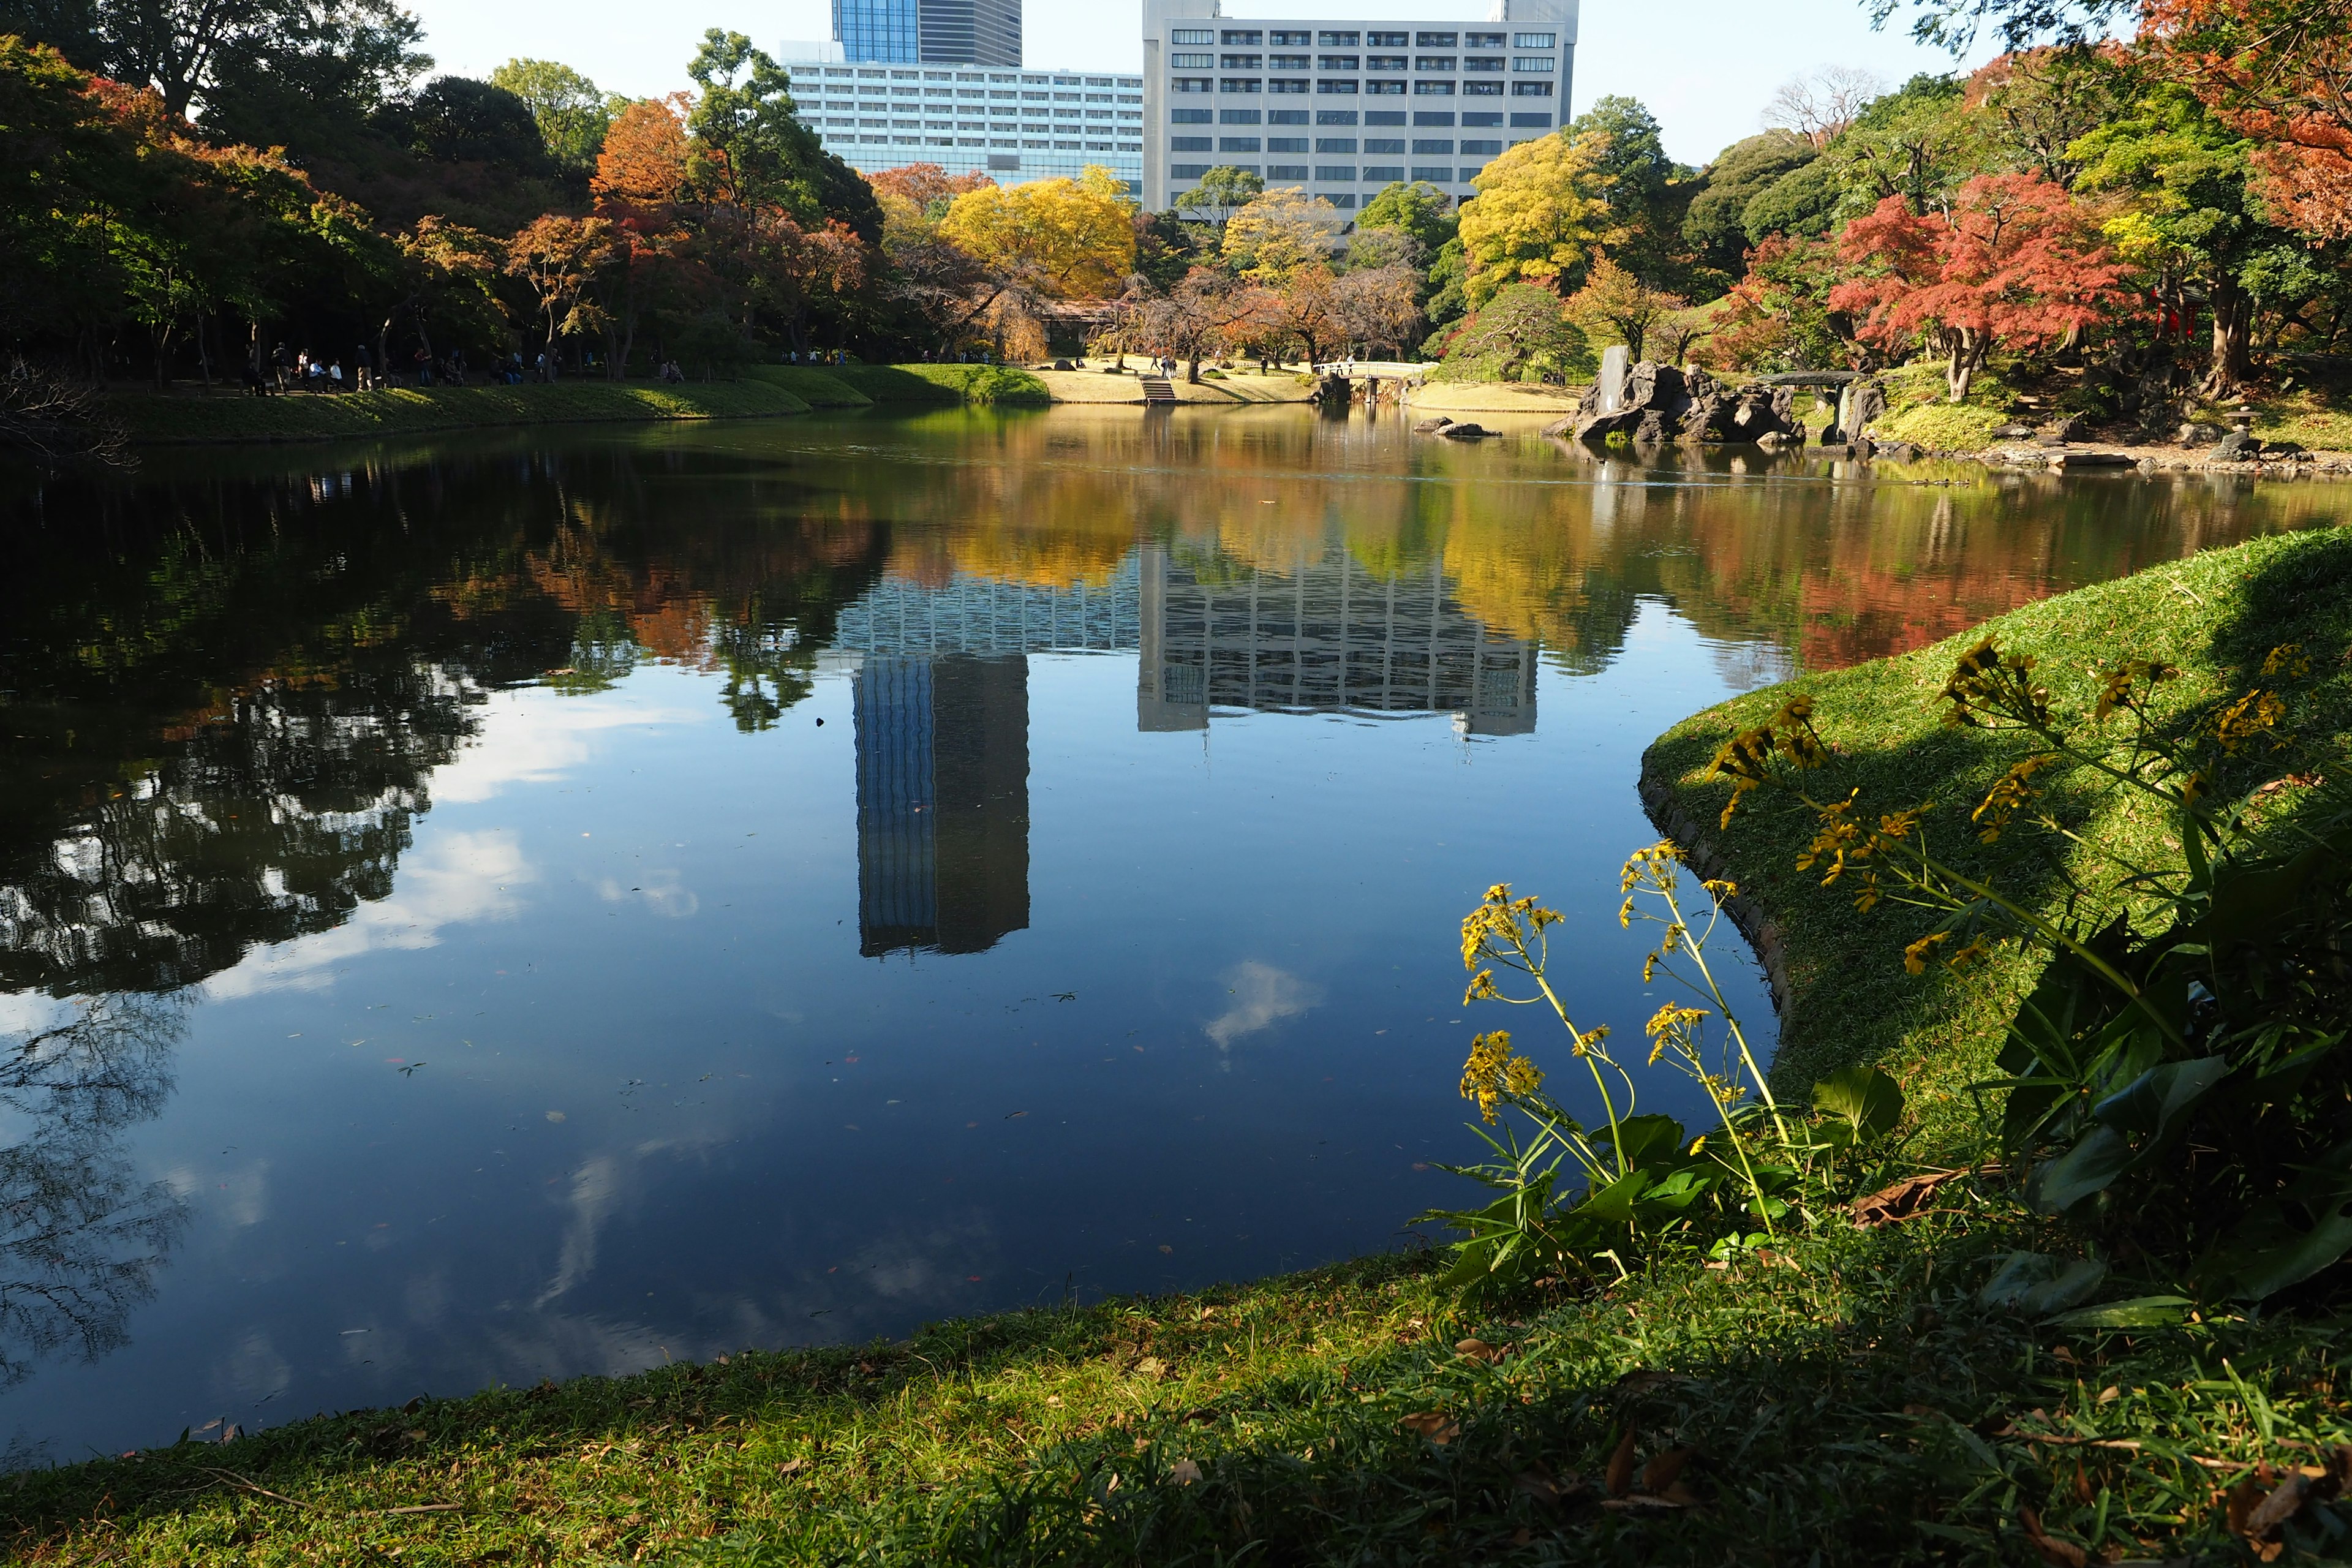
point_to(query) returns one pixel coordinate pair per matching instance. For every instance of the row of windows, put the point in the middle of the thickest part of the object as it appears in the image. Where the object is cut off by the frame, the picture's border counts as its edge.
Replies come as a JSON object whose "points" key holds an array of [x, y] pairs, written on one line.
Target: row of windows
{"points": [[997, 95], [1537, 65], [844, 124], [1424, 147], [1280, 86], [1340, 174], [1294, 38], [1026, 110], [1472, 118], [836, 139], [804, 70]]}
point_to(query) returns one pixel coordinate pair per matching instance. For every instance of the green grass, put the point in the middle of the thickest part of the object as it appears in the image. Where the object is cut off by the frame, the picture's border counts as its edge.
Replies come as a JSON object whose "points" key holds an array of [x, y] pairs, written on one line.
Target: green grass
{"points": [[818, 388], [986, 385], [2318, 420], [1919, 410], [310, 416], [1845, 1399]]}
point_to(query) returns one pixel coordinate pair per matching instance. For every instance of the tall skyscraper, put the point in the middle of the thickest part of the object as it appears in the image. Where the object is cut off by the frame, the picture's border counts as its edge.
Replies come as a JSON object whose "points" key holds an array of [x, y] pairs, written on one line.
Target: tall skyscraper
{"points": [[930, 32]]}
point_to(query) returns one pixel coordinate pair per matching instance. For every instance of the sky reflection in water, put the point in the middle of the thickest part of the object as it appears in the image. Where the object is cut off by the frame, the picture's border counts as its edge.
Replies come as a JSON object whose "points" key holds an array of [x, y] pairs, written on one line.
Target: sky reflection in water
{"points": [[538, 904]]}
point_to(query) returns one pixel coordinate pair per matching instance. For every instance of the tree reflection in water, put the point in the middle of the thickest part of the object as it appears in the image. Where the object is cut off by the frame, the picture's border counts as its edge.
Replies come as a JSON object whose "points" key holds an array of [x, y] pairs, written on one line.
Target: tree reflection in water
{"points": [[81, 1237]]}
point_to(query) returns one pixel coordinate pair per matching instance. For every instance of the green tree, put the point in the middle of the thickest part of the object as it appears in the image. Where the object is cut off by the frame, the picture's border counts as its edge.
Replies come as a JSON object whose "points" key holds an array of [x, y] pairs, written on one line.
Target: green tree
{"points": [[196, 54], [1522, 334], [1919, 143], [752, 150], [456, 120], [1804, 201], [573, 114], [69, 27], [1223, 192], [1717, 223], [1419, 209], [1649, 194]]}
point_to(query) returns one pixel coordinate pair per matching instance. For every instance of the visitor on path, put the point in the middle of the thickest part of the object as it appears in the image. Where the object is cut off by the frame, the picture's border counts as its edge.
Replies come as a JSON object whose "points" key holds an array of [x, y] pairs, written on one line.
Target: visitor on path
{"points": [[280, 366], [363, 369], [335, 376], [423, 360]]}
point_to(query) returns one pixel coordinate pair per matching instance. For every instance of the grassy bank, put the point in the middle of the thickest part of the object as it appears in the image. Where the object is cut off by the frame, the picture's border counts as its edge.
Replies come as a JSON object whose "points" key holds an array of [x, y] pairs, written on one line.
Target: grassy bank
{"points": [[981, 384], [162, 420], [1843, 1398]]}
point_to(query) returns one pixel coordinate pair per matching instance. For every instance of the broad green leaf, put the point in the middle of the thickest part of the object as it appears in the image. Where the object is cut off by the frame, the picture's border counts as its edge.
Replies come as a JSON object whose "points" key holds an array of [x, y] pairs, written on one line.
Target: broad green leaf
{"points": [[1866, 1102], [2286, 1240], [2138, 1312], [2037, 1283]]}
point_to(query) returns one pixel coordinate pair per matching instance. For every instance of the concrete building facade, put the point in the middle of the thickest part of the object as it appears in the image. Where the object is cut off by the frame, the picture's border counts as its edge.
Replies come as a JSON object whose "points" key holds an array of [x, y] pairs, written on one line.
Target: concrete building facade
{"points": [[1343, 108], [1012, 125]]}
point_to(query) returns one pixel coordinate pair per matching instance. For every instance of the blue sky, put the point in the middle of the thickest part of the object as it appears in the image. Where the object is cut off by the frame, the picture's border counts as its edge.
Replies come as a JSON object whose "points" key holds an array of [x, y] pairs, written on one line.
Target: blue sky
{"points": [[1704, 68]]}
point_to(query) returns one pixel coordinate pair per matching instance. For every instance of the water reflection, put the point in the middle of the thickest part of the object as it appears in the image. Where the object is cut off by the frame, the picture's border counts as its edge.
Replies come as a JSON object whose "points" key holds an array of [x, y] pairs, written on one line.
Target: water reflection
{"points": [[468, 758]]}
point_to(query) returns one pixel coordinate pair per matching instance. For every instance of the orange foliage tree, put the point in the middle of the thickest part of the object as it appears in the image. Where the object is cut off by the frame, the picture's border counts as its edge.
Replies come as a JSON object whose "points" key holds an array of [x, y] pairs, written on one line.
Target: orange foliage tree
{"points": [[2011, 262], [2280, 72]]}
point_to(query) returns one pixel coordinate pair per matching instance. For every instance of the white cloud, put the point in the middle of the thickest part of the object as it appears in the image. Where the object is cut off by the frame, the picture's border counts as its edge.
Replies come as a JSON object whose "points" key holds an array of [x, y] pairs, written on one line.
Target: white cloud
{"points": [[662, 890], [536, 735], [1262, 994]]}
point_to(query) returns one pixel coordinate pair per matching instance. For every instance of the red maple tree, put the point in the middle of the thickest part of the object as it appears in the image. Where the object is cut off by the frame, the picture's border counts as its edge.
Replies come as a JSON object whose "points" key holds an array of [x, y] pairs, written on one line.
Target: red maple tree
{"points": [[2279, 72], [2011, 261]]}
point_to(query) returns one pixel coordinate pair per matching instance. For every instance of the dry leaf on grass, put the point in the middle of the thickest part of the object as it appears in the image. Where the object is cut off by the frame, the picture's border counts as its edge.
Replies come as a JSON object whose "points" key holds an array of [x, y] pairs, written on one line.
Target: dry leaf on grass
{"points": [[792, 1466], [1435, 1425], [1151, 1366], [1905, 1199], [1619, 1476], [2256, 1510], [1659, 1474], [2057, 1553], [1477, 1350], [1545, 1488], [1183, 1472]]}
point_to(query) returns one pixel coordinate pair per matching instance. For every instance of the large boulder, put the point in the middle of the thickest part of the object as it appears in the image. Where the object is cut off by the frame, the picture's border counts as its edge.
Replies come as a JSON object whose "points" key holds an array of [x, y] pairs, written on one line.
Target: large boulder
{"points": [[1659, 403], [1467, 431], [1432, 426], [1650, 409]]}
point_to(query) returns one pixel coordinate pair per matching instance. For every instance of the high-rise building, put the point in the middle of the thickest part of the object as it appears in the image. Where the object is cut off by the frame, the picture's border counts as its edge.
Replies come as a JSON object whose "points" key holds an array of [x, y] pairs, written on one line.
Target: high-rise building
{"points": [[1011, 125], [928, 32], [1345, 107]]}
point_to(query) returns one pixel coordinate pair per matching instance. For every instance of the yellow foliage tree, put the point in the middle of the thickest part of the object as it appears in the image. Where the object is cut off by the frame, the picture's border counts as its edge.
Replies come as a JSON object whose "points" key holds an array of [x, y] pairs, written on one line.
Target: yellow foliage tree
{"points": [[1541, 210], [1280, 233], [1075, 237]]}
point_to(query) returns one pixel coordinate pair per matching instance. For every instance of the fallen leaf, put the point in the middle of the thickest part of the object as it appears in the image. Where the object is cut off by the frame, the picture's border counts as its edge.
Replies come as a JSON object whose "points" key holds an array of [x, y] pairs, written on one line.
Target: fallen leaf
{"points": [[792, 1466], [1619, 1476], [1151, 1366], [1659, 1476], [1905, 1199], [1477, 1350], [2057, 1553], [1183, 1472], [1435, 1425]]}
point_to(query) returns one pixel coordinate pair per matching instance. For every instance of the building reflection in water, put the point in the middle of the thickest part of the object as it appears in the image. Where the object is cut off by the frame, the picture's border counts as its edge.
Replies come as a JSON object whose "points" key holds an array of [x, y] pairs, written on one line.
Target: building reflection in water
{"points": [[1328, 634], [940, 699]]}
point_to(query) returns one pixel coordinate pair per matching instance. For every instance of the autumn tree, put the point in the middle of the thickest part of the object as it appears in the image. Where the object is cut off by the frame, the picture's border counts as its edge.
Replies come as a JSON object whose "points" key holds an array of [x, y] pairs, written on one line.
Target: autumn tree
{"points": [[446, 277], [1198, 317], [558, 259], [1075, 238], [928, 186], [1778, 316], [1522, 333], [2279, 73], [2012, 262], [1280, 233], [795, 268], [1540, 212], [1615, 303]]}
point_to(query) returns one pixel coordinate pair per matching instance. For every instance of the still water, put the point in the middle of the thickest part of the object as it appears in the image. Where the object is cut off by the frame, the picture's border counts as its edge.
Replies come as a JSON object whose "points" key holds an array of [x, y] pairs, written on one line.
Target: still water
{"points": [[541, 903]]}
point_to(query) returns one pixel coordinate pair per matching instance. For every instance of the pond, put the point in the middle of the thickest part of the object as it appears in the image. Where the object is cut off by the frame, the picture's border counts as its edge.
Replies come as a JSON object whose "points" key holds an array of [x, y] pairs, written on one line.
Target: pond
{"points": [[526, 904]]}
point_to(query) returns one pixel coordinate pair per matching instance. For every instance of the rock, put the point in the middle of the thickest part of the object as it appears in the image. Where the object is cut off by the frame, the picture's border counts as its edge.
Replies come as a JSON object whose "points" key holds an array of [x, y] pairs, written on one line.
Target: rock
{"points": [[1608, 392], [2059, 432], [2236, 446], [1063, 365], [1467, 432], [1831, 436], [1654, 429], [1561, 429], [2093, 460], [1900, 452], [2283, 449], [1862, 402], [2013, 433], [1432, 426], [2197, 434], [1834, 448]]}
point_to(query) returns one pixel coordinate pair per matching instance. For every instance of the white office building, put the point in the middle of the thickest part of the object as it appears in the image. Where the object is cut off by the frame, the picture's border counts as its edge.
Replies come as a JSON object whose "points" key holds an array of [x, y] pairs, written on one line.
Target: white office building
{"points": [[1012, 125], [1343, 108]]}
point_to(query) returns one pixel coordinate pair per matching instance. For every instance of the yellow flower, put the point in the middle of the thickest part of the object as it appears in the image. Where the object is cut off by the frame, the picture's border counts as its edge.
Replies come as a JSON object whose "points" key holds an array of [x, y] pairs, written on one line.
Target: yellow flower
{"points": [[1976, 949], [2012, 791], [1869, 897], [1482, 988], [2251, 715], [2287, 658], [1914, 957], [1839, 838]]}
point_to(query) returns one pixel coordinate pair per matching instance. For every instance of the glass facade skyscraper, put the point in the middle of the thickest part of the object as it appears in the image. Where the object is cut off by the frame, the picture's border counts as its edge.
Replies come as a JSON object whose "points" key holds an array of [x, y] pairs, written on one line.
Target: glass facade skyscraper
{"points": [[934, 32]]}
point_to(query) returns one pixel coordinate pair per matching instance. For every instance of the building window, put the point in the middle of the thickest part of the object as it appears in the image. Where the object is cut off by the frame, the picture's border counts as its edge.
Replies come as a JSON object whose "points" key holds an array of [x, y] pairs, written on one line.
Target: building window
{"points": [[1285, 84], [1237, 63], [1540, 64], [1443, 173], [1470, 174], [1285, 171], [1292, 144], [1335, 117], [1191, 62], [1435, 117], [1482, 40], [1423, 146], [1531, 89], [1335, 144], [1336, 40], [1188, 143], [1478, 147], [1385, 63], [1235, 117], [1531, 40], [1290, 62], [1190, 83], [1383, 174], [1434, 40], [1335, 63], [1341, 174], [1287, 117], [1482, 89], [1192, 35], [1296, 40], [1433, 63], [1236, 36], [1344, 200], [1335, 86], [1238, 84], [1188, 117], [1391, 145], [1433, 90], [1237, 144], [1385, 116], [1385, 89], [1384, 40], [1482, 63], [1476, 118], [1531, 122], [1186, 170]]}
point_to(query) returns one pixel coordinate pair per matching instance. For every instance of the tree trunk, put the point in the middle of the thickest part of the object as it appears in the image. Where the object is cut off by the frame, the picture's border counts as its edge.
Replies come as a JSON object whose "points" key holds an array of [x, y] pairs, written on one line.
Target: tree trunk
{"points": [[2232, 359], [1193, 373]]}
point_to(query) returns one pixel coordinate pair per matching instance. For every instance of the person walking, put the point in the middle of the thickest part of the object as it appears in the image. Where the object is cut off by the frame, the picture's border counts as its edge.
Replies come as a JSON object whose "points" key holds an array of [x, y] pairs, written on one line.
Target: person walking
{"points": [[364, 370]]}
